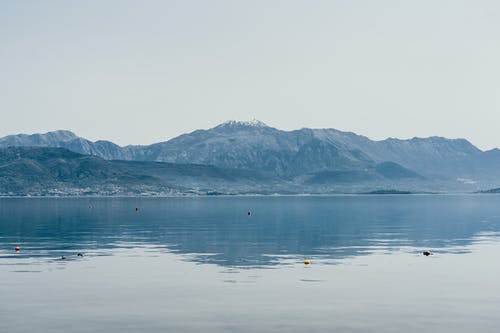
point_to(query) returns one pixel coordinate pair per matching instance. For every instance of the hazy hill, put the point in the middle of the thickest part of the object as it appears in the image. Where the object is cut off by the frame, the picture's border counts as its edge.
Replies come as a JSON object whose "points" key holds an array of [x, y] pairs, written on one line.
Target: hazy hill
{"points": [[70, 141], [58, 171], [33, 170]]}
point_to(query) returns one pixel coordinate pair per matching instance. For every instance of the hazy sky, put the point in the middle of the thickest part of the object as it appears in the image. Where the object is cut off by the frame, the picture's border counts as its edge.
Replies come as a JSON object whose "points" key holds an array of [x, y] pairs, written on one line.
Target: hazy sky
{"points": [[138, 72]]}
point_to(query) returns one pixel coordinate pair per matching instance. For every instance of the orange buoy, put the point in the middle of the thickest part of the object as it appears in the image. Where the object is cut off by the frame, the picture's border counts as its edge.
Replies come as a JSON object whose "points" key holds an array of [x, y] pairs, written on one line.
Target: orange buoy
{"points": [[307, 262], [18, 249]]}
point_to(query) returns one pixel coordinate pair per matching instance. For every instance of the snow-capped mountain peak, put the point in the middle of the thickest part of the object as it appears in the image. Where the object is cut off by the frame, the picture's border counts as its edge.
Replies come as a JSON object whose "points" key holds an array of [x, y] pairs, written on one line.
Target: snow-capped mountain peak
{"points": [[251, 123]]}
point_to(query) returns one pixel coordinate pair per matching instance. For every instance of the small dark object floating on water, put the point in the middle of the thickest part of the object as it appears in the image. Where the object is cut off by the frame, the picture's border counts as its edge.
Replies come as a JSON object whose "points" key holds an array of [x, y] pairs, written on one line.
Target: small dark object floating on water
{"points": [[79, 254], [136, 209], [17, 249], [426, 253], [63, 258], [249, 213]]}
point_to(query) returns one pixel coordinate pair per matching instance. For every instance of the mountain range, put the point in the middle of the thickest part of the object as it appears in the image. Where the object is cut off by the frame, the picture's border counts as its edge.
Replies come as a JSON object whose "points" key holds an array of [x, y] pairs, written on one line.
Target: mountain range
{"points": [[251, 157]]}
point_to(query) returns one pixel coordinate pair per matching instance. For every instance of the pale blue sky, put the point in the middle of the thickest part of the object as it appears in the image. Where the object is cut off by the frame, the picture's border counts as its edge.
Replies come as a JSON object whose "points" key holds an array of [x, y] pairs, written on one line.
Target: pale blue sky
{"points": [[138, 72]]}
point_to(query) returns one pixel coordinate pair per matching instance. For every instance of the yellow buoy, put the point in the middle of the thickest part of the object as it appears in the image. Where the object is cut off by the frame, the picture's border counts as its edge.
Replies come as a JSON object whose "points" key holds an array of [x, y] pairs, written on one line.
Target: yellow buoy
{"points": [[307, 262]]}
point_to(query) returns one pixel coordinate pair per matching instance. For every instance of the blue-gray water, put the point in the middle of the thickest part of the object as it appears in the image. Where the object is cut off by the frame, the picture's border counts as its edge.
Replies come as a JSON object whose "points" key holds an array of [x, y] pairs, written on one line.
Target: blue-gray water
{"points": [[204, 265]]}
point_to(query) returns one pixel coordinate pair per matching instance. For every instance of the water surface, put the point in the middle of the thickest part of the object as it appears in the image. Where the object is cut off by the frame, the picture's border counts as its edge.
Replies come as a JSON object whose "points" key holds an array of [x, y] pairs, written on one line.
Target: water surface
{"points": [[204, 265]]}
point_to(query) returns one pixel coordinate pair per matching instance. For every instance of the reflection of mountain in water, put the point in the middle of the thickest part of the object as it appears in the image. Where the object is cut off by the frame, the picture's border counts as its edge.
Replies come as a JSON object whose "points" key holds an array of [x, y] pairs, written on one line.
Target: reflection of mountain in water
{"points": [[218, 230]]}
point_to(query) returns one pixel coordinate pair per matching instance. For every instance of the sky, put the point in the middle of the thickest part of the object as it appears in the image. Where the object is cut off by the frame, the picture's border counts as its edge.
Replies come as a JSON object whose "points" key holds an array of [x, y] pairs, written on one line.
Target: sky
{"points": [[139, 72]]}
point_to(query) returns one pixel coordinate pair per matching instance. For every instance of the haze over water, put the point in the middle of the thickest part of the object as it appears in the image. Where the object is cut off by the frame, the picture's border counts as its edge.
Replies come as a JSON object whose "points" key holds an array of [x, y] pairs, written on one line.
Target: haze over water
{"points": [[204, 265]]}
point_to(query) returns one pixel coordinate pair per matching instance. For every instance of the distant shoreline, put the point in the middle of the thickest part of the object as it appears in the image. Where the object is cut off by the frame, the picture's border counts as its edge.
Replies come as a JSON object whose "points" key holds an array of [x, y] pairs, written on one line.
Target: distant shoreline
{"points": [[244, 195]]}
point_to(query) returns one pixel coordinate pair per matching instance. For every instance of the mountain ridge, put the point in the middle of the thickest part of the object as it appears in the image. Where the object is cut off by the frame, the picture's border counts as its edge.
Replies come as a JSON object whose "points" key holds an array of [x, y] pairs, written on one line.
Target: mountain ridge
{"points": [[7, 139], [301, 156]]}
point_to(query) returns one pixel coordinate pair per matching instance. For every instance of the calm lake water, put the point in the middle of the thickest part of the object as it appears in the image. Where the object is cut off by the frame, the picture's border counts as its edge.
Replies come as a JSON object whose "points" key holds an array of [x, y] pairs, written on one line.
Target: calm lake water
{"points": [[204, 265]]}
